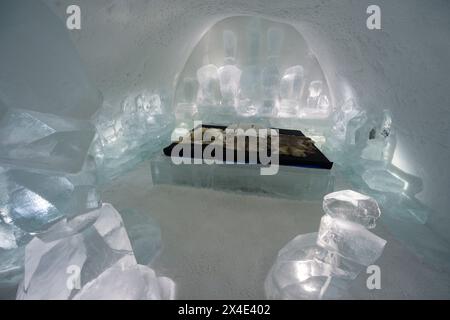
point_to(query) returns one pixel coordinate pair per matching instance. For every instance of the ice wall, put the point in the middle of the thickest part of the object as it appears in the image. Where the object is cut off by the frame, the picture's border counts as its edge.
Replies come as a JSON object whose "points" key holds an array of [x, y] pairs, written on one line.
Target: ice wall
{"points": [[402, 67]]}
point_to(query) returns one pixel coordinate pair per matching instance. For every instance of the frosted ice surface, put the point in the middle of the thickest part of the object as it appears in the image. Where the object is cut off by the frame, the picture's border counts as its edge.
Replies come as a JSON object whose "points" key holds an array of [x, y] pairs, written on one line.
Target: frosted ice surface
{"points": [[144, 234], [209, 86], [229, 76], [96, 244], [41, 69], [352, 206], [42, 141], [275, 38], [350, 240], [229, 46]]}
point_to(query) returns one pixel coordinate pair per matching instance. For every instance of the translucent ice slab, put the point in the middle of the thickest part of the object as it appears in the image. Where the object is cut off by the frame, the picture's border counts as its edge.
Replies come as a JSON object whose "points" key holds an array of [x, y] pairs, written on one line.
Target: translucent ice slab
{"points": [[77, 258], [43, 142], [352, 206], [41, 69], [350, 240], [32, 201], [289, 182]]}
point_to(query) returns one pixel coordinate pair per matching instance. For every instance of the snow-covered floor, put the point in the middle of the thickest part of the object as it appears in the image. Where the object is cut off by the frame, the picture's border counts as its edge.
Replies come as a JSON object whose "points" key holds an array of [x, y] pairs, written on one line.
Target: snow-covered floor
{"points": [[219, 245]]}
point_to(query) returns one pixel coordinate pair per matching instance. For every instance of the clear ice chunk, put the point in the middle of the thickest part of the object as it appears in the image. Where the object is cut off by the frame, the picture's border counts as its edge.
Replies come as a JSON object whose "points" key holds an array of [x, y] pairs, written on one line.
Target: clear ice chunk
{"points": [[90, 249], [33, 201], [381, 140], [136, 282], [41, 69], [350, 240], [348, 111], [384, 181], [300, 271], [44, 142], [352, 206], [317, 102]]}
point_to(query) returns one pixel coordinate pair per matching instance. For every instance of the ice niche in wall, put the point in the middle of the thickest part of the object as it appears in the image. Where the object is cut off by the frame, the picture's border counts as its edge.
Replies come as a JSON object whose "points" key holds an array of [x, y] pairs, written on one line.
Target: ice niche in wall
{"points": [[249, 69]]}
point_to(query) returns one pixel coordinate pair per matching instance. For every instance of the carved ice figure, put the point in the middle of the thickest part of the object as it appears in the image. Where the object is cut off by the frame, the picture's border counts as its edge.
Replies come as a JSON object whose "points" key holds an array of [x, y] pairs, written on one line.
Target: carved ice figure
{"points": [[381, 141], [317, 102], [290, 91]]}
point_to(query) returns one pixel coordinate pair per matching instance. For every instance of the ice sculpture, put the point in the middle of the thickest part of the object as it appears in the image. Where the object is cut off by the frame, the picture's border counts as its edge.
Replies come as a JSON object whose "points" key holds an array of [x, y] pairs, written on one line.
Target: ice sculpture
{"points": [[229, 76], [88, 257], [247, 68], [42, 141], [352, 206], [317, 102], [321, 265], [290, 91], [41, 70], [381, 143], [350, 240], [301, 271], [348, 111], [126, 137], [229, 73]]}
